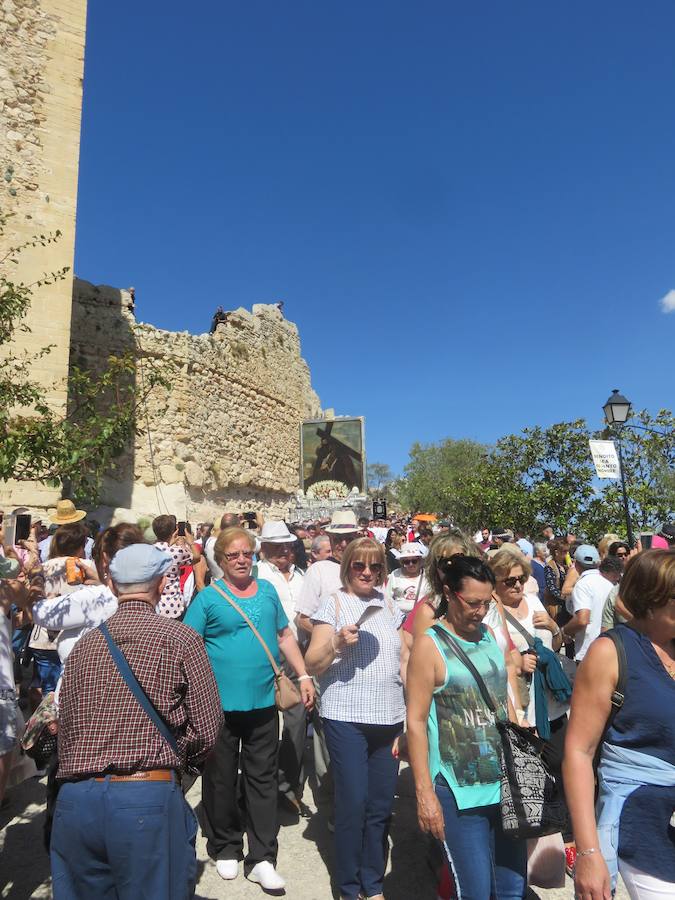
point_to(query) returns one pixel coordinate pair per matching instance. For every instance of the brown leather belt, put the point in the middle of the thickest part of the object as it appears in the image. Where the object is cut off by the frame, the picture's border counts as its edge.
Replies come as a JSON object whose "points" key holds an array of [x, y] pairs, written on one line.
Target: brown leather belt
{"points": [[150, 775]]}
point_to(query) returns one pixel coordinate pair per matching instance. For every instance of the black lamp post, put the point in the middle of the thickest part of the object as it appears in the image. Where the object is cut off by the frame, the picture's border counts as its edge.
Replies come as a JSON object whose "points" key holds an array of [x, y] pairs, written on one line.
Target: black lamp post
{"points": [[617, 411]]}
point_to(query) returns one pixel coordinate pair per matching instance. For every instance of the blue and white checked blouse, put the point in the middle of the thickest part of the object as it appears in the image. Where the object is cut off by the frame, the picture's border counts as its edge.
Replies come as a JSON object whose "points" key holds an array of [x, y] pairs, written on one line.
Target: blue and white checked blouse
{"points": [[363, 684]]}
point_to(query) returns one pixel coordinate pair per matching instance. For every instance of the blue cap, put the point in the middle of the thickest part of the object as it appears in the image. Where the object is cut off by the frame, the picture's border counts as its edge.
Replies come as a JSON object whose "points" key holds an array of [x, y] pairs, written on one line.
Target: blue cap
{"points": [[587, 556], [139, 563], [525, 546]]}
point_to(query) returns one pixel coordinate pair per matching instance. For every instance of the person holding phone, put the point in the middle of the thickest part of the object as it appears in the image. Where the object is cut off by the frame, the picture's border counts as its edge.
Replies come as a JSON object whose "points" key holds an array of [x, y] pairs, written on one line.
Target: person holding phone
{"points": [[358, 652], [182, 549]]}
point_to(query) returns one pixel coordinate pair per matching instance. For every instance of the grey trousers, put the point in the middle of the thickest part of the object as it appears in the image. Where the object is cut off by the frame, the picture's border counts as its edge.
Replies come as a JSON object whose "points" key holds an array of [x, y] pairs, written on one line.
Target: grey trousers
{"points": [[324, 776], [292, 748]]}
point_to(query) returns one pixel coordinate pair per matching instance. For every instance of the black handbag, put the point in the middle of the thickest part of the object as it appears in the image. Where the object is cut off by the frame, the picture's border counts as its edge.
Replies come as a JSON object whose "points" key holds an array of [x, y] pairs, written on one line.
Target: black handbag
{"points": [[531, 803]]}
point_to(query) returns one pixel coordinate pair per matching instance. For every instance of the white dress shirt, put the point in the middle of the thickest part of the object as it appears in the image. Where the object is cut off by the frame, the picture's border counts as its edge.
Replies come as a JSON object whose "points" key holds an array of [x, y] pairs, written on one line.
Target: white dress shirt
{"points": [[288, 589]]}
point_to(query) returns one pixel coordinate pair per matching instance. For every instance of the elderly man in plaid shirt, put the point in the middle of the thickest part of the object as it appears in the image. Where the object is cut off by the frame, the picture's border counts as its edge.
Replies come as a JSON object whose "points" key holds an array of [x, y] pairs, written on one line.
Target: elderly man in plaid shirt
{"points": [[122, 827]]}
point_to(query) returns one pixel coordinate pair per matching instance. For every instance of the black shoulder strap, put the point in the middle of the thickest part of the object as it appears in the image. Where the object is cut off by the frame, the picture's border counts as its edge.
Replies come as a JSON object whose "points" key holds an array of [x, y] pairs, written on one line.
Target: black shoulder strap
{"points": [[459, 652], [516, 624], [132, 683], [619, 694]]}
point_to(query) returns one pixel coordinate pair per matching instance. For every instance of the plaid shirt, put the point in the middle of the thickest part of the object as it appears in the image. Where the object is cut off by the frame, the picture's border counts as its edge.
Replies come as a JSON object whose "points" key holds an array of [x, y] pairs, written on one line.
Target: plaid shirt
{"points": [[102, 728]]}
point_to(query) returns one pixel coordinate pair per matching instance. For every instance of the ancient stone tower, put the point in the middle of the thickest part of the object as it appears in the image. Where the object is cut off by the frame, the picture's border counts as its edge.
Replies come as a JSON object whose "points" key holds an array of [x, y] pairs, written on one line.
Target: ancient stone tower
{"points": [[41, 69]]}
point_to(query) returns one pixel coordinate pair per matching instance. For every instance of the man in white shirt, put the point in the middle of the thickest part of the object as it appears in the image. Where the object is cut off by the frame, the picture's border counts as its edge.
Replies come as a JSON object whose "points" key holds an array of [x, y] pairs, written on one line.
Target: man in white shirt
{"points": [[278, 568], [321, 580], [228, 520], [586, 602]]}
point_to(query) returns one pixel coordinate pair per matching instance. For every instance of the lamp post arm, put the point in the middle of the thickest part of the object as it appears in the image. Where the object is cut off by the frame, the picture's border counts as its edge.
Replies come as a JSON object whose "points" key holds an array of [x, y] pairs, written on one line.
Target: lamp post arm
{"points": [[644, 428]]}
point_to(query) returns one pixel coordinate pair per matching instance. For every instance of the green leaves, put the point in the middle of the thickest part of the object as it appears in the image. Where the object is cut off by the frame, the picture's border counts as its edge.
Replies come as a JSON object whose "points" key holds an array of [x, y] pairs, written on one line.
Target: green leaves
{"points": [[546, 476], [40, 444]]}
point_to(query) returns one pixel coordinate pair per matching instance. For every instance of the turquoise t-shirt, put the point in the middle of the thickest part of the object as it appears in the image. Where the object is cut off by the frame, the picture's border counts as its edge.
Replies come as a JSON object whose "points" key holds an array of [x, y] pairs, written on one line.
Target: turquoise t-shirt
{"points": [[464, 743], [242, 669]]}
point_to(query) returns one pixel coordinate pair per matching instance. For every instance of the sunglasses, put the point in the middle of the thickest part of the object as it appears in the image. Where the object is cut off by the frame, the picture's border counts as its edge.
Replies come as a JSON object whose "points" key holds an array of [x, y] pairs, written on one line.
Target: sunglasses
{"points": [[411, 560], [375, 568], [621, 555], [230, 557], [474, 604], [514, 580]]}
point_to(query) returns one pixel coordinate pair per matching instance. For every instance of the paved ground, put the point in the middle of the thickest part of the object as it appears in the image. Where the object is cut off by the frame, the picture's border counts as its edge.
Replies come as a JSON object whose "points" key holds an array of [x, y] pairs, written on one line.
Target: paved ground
{"points": [[305, 854]]}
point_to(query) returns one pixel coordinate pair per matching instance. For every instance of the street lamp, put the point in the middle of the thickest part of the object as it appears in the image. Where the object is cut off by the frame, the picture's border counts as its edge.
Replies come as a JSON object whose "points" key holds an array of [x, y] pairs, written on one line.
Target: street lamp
{"points": [[617, 410]]}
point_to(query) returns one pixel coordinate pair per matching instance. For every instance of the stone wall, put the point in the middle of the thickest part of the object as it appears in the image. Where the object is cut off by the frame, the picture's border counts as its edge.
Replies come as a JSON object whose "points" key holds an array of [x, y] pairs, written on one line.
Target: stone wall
{"points": [[41, 68], [226, 434]]}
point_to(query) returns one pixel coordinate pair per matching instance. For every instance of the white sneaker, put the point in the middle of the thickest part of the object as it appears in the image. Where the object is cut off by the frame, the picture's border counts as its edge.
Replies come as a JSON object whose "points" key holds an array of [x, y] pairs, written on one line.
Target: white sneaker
{"points": [[264, 874], [227, 868]]}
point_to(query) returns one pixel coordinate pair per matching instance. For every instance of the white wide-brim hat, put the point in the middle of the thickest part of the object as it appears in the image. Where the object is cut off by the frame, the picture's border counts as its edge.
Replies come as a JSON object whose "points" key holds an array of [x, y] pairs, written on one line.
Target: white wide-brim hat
{"points": [[343, 521], [409, 550], [276, 533]]}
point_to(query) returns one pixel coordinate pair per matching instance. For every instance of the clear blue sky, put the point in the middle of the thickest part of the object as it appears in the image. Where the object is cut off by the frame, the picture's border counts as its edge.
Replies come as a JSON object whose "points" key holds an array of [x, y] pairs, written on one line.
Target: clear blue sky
{"points": [[468, 208]]}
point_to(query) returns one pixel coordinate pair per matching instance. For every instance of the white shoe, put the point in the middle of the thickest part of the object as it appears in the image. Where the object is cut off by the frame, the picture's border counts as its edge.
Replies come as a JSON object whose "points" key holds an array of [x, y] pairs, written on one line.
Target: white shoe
{"points": [[264, 874], [227, 868]]}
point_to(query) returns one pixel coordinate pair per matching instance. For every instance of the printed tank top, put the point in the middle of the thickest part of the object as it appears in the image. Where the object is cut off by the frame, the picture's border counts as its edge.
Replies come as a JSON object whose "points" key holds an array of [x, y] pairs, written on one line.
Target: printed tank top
{"points": [[464, 743]]}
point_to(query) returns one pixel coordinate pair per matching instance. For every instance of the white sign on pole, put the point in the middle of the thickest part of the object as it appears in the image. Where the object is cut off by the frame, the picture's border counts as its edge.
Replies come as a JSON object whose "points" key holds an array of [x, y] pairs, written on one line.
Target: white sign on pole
{"points": [[605, 459]]}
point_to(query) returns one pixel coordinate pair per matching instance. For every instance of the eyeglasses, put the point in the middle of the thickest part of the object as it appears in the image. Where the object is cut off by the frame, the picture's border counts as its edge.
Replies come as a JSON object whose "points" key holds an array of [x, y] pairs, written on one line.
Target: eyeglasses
{"points": [[514, 579], [230, 557], [375, 568], [474, 604]]}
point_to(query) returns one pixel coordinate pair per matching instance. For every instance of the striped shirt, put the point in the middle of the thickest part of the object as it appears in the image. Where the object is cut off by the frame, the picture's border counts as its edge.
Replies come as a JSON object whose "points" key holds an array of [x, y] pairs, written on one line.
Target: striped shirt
{"points": [[102, 727], [363, 683]]}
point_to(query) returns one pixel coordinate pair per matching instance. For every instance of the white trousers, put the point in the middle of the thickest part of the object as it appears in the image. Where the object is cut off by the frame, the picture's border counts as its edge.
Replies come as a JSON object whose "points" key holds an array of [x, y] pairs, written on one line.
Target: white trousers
{"points": [[641, 886]]}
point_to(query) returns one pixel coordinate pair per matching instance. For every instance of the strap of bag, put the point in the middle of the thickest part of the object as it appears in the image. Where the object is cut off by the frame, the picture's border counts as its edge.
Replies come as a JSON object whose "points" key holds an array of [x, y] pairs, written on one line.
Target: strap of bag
{"points": [[516, 624], [127, 674], [619, 694], [235, 605], [419, 587], [449, 641]]}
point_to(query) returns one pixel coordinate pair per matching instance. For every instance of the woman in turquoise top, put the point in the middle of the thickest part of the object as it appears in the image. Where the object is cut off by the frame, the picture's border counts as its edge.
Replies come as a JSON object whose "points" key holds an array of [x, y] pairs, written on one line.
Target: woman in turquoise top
{"points": [[453, 741], [249, 739]]}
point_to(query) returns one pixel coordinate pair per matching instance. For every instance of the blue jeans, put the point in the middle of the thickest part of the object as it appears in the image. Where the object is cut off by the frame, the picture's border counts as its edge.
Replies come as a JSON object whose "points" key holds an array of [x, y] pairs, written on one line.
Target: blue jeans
{"points": [[365, 773], [48, 669], [123, 841], [484, 862]]}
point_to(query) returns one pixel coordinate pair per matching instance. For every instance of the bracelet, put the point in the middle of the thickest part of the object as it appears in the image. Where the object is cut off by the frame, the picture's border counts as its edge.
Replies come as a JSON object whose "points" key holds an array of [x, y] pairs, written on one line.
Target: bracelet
{"points": [[557, 632], [304, 677], [587, 852]]}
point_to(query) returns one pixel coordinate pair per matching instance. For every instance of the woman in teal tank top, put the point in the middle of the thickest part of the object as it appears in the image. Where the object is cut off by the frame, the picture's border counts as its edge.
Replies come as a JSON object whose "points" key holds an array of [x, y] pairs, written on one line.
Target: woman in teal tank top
{"points": [[453, 740]]}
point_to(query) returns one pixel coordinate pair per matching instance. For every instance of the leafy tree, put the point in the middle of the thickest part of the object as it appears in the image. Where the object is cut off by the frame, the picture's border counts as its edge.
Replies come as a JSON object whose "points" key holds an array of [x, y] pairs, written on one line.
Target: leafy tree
{"points": [[648, 449], [38, 443], [546, 475], [379, 475], [434, 477]]}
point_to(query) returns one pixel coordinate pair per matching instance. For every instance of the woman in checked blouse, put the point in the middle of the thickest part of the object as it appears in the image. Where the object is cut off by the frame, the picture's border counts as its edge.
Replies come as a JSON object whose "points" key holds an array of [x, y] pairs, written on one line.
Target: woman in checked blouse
{"points": [[359, 651]]}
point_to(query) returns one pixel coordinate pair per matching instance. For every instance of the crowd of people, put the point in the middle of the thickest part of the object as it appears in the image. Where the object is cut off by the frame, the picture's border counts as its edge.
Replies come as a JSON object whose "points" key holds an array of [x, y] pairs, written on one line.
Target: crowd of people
{"points": [[146, 655]]}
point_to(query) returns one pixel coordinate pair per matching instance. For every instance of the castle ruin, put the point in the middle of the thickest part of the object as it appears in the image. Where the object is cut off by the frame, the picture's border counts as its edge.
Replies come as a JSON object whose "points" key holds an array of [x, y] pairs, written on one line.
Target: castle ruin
{"points": [[226, 433]]}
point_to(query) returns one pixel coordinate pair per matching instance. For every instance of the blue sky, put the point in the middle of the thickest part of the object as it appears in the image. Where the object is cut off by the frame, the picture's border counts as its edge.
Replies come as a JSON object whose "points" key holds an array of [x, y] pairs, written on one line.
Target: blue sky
{"points": [[467, 208]]}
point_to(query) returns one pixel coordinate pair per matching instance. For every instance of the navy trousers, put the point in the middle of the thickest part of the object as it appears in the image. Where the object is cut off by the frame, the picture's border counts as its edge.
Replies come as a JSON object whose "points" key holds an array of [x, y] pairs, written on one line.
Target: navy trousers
{"points": [[365, 774], [123, 841]]}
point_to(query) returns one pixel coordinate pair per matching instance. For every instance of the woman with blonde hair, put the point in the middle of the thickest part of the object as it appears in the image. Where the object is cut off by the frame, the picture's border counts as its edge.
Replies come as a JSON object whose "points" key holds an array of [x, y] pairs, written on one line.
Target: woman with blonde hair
{"points": [[249, 739], [443, 546], [358, 652], [605, 543]]}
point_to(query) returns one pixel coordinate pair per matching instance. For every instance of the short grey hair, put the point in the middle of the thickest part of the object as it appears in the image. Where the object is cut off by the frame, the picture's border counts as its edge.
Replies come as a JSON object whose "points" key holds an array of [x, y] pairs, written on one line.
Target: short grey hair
{"points": [[141, 587], [318, 541], [541, 547]]}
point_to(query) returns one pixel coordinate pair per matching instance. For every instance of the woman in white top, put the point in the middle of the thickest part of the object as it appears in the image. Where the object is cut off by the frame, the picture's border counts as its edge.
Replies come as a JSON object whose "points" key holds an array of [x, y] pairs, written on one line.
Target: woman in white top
{"points": [[358, 651], [85, 608], [407, 584], [513, 613]]}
